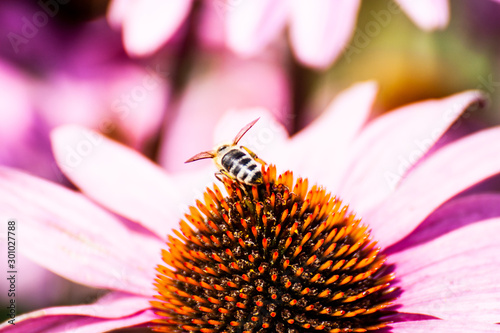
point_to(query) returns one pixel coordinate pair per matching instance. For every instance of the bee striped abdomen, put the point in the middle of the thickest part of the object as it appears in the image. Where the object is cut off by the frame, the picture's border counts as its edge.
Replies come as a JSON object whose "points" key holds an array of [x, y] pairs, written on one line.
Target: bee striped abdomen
{"points": [[240, 165]]}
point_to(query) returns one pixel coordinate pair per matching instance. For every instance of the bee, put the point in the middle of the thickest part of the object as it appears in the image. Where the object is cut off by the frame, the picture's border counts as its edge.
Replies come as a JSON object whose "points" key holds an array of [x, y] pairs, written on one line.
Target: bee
{"points": [[235, 162]]}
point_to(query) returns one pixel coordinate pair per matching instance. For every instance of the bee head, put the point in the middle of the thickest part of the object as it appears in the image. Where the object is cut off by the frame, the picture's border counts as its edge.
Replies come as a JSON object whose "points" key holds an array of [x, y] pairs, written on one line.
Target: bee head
{"points": [[222, 149]]}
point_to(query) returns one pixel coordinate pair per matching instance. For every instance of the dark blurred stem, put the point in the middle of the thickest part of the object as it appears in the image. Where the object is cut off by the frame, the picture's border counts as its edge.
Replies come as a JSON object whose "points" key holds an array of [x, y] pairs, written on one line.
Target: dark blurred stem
{"points": [[186, 52], [303, 80]]}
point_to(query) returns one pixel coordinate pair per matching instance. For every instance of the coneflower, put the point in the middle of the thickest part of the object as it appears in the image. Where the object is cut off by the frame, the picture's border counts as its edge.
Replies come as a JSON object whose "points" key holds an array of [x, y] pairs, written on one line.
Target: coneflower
{"points": [[274, 257]]}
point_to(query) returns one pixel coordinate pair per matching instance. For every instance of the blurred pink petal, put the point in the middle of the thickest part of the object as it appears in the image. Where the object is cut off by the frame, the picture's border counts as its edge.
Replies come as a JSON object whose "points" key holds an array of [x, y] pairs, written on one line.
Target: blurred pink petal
{"points": [[251, 25], [428, 185], [78, 249], [16, 112], [147, 24], [320, 29], [392, 143], [15, 106], [117, 13], [210, 28], [427, 14], [336, 127], [444, 326], [232, 84], [437, 276], [118, 177]]}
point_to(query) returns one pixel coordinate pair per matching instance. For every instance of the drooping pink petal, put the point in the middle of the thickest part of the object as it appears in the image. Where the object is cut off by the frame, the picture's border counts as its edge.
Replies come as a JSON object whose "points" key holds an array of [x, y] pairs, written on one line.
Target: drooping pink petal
{"points": [[427, 14], [454, 214], [71, 236], [252, 25], [113, 311], [80, 324], [320, 29], [453, 277], [326, 141], [232, 84], [147, 24], [112, 305], [117, 177], [441, 176], [444, 326], [391, 144]]}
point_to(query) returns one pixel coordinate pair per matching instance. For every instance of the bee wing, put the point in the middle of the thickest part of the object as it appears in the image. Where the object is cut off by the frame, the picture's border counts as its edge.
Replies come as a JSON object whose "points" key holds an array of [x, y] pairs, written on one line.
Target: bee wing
{"points": [[243, 131], [200, 156]]}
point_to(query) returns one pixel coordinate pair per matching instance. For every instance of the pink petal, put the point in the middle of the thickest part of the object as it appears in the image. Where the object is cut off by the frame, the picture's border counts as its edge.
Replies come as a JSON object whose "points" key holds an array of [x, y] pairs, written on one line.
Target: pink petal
{"points": [[427, 14], [115, 310], [232, 84], [334, 131], [251, 25], [320, 29], [441, 176], [444, 326], [117, 177], [392, 143], [453, 277], [84, 243], [452, 215], [148, 24]]}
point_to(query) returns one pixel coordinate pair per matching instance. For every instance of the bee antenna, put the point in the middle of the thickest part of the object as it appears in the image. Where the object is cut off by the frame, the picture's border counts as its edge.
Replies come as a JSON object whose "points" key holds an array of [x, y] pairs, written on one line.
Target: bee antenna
{"points": [[201, 156], [243, 131]]}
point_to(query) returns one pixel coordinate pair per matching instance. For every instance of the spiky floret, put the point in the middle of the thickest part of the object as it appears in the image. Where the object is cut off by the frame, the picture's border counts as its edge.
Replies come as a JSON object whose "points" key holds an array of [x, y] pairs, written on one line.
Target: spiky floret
{"points": [[277, 257]]}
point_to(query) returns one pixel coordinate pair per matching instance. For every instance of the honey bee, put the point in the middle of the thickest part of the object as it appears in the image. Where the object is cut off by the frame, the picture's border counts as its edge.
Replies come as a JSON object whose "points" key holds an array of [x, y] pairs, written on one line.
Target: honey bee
{"points": [[235, 162]]}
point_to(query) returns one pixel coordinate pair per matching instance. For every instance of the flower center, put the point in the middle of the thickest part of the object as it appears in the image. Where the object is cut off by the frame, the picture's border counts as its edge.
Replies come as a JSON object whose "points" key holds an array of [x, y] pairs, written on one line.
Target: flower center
{"points": [[276, 257]]}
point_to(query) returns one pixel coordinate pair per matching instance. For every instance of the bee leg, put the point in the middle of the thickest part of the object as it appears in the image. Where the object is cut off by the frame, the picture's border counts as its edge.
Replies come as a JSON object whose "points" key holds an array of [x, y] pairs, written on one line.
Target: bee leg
{"points": [[254, 155], [221, 173]]}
